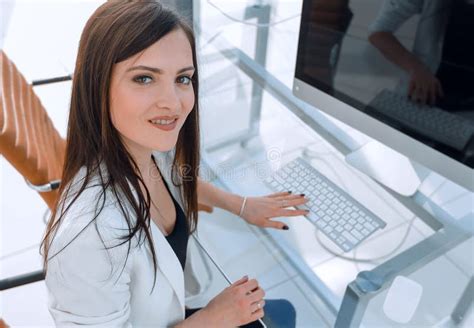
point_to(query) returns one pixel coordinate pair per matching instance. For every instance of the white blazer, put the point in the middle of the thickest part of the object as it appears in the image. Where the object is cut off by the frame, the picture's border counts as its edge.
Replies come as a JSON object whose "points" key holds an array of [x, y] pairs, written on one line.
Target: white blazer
{"points": [[89, 285]]}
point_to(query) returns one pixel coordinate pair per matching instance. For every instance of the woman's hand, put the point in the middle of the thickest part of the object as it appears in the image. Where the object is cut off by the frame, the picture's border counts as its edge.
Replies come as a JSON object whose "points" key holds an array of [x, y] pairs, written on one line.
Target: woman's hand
{"points": [[240, 303], [259, 210], [424, 87]]}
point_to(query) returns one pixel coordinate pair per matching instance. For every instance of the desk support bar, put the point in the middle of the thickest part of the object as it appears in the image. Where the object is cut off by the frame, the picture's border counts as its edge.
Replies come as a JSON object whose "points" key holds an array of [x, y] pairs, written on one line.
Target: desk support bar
{"points": [[358, 295]]}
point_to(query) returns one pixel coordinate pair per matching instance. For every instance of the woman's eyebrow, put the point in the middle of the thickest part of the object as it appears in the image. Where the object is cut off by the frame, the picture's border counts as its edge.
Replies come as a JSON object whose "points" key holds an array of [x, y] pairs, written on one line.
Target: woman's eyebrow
{"points": [[158, 70]]}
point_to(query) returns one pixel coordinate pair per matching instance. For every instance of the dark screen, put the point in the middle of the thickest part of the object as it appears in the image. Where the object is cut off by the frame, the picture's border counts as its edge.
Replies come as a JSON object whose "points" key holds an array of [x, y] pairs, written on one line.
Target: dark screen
{"points": [[408, 63]]}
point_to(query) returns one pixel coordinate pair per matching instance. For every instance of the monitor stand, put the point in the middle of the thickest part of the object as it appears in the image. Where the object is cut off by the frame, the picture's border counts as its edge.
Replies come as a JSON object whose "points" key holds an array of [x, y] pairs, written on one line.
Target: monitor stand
{"points": [[385, 165]]}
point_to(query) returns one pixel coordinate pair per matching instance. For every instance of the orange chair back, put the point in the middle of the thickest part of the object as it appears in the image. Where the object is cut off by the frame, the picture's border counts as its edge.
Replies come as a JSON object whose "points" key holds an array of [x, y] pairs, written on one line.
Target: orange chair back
{"points": [[28, 138]]}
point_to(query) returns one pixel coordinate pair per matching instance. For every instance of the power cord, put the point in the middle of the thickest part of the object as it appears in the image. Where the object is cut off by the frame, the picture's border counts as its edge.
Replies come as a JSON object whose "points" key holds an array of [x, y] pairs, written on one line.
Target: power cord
{"points": [[248, 23]]}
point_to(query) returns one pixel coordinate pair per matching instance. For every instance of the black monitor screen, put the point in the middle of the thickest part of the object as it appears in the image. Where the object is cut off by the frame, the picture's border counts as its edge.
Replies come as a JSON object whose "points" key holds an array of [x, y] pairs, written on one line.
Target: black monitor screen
{"points": [[408, 63]]}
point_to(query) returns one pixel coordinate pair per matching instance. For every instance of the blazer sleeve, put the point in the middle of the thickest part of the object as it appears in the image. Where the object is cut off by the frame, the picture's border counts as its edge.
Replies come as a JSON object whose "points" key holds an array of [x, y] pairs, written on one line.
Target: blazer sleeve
{"points": [[394, 13], [89, 285]]}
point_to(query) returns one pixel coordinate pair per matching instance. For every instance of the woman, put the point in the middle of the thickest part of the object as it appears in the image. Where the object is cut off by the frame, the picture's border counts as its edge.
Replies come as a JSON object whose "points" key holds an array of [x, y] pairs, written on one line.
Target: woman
{"points": [[115, 247]]}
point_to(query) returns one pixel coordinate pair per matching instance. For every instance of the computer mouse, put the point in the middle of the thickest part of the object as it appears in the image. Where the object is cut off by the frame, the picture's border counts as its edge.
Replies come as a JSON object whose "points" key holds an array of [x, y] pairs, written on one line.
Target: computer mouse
{"points": [[403, 298]]}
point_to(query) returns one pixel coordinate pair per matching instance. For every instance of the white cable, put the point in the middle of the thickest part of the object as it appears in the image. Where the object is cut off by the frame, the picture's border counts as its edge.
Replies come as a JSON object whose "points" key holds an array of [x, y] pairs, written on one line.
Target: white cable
{"points": [[248, 23], [226, 277]]}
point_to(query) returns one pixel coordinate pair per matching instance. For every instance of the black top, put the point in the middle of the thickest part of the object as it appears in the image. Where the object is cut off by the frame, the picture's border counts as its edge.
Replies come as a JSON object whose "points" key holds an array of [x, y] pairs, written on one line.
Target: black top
{"points": [[178, 238]]}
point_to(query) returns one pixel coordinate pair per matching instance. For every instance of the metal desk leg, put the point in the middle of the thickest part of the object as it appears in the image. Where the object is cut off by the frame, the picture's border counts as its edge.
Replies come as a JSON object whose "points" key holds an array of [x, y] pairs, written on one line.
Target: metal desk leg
{"points": [[370, 283], [464, 303]]}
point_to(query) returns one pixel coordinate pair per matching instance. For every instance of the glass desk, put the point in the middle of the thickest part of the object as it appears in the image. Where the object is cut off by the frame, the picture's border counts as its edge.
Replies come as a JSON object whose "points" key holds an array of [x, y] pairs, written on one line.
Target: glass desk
{"points": [[251, 125]]}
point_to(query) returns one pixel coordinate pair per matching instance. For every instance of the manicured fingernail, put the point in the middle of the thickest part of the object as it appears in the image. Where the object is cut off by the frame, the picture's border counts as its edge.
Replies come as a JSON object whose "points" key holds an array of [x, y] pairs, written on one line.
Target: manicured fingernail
{"points": [[301, 194], [307, 211], [285, 227], [289, 191]]}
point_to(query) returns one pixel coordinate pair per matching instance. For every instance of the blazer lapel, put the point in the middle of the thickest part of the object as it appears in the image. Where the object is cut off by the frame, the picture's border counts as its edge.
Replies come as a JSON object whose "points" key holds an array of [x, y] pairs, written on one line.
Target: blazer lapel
{"points": [[164, 161], [167, 260], [168, 263]]}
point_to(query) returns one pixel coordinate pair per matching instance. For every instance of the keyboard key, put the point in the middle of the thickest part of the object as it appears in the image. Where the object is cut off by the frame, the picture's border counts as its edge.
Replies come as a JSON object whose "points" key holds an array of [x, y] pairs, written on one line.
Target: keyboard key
{"points": [[346, 247], [357, 234], [312, 217], [350, 237], [369, 227], [340, 217], [321, 223], [279, 180], [327, 229], [327, 218]]}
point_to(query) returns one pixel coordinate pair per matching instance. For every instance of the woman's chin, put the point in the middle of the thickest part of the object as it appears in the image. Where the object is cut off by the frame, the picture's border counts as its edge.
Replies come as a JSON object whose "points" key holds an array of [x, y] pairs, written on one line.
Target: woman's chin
{"points": [[164, 148]]}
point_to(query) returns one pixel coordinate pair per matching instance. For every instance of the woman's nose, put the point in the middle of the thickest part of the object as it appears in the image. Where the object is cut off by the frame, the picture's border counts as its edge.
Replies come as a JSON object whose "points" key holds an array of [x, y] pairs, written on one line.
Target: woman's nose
{"points": [[168, 97]]}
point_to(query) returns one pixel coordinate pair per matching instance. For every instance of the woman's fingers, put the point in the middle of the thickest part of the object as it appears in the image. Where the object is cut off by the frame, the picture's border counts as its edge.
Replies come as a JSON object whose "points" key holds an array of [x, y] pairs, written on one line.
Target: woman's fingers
{"points": [[292, 202], [249, 286], [279, 194], [257, 315], [284, 212], [275, 225], [296, 196], [257, 305], [256, 295], [240, 281]]}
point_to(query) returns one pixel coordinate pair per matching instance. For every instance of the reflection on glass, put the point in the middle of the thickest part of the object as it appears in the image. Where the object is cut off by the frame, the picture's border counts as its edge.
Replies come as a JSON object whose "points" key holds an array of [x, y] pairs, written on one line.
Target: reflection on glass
{"points": [[408, 63]]}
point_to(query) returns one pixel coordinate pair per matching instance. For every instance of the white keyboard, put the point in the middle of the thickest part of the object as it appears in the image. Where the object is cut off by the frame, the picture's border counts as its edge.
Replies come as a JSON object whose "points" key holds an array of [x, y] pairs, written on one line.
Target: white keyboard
{"points": [[334, 212], [432, 122]]}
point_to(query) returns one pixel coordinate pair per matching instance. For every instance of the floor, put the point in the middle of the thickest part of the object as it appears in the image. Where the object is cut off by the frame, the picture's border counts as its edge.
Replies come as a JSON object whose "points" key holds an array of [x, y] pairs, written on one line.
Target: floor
{"points": [[226, 103]]}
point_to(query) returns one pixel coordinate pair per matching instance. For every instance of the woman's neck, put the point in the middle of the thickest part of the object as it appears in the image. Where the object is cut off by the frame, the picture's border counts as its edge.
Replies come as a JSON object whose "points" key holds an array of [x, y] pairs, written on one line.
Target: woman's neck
{"points": [[143, 159]]}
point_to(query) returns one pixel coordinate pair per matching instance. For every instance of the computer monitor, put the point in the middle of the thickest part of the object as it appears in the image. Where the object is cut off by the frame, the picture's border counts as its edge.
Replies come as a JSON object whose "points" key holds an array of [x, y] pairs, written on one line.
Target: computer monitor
{"points": [[400, 71]]}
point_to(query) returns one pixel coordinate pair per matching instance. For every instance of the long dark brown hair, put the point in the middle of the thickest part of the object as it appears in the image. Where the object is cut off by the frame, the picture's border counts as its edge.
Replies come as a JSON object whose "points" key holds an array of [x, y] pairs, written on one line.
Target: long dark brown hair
{"points": [[116, 31]]}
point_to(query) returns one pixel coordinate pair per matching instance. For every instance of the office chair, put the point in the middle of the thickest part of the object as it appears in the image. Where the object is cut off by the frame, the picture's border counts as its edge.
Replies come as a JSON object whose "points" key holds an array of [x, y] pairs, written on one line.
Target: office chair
{"points": [[28, 139], [31, 143]]}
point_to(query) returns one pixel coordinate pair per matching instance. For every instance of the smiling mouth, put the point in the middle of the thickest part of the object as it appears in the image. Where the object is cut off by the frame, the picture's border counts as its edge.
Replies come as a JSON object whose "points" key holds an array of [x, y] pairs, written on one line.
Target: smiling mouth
{"points": [[163, 122], [165, 125]]}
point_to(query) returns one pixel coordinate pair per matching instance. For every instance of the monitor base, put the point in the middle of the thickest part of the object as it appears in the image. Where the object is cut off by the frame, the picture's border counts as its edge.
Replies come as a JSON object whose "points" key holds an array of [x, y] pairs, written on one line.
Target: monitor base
{"points": [[385, 165]]}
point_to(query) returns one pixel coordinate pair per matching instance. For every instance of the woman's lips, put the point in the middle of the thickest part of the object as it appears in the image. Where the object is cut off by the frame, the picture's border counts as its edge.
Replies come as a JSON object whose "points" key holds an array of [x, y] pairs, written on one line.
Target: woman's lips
{"points": [[165, 127]]}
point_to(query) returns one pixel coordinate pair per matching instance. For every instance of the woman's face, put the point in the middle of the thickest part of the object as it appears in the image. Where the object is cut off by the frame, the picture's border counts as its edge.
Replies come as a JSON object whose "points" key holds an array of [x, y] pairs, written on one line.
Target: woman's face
{"points": [[150, 89]]}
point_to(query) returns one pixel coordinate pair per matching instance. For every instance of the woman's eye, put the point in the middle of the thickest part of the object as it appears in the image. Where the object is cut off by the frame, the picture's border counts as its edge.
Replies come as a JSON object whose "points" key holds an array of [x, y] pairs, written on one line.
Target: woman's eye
{"points": [[143, 79], [187, 80]]}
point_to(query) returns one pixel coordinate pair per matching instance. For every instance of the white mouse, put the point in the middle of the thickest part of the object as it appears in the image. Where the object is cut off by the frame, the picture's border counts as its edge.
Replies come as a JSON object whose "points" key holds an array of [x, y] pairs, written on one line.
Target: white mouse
{"points": [[402, 299]]}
